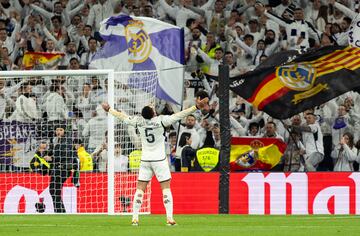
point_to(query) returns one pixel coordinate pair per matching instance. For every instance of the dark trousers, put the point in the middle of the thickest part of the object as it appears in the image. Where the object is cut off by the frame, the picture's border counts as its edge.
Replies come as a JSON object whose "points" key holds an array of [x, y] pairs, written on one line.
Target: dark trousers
{"points": [[57, 179], [177, 165], [327, 163]]}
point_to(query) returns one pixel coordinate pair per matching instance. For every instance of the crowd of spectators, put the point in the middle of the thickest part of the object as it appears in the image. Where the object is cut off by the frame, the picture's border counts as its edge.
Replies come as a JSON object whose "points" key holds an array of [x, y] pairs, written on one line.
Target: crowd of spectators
{"points": [[242, 32]]}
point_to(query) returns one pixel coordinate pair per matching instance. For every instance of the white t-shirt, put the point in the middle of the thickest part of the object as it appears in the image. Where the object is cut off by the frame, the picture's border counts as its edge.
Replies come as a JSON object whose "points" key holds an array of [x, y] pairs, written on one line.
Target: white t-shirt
{"points": [[312, 145]]}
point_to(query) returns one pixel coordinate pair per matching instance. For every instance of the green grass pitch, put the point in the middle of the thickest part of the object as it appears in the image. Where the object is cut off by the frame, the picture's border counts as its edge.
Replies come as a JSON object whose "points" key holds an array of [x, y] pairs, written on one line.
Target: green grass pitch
{"points": [[225, 225]]}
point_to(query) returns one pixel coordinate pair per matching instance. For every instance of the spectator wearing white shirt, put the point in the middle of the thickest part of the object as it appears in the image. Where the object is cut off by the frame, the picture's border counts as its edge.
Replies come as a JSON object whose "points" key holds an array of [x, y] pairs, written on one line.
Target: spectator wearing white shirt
{"points": [[5, 95], [298, 30], [87, 56], [121, 161], [254, 29], [58, 32], [98, 93], [66, 13], [285, 9], [95, 129], [55, 105], [312, 10], [270, 131], [160, 11], [76, 33], [189, 127], [100, 11], [70, 54], [6, 41], [213, 64], [313, 141], [180, 14], [83, 101], [261, 49], [340, 124], [25, 105], [322, 18], [345, 154]]}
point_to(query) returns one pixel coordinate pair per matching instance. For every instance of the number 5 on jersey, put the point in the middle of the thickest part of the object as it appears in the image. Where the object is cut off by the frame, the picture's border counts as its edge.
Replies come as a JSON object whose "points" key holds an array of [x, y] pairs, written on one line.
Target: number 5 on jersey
{"points": [[149, 136]]}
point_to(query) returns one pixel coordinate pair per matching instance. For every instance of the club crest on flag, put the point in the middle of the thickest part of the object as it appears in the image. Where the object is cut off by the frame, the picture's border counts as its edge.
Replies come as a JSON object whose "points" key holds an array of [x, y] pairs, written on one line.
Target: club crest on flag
{"points": [[250, 157], [138, 41], [300, 77]]}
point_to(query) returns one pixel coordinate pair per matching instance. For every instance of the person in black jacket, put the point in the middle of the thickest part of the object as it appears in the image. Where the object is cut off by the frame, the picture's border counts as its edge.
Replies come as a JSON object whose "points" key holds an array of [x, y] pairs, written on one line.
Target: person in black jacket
{"points": [[63, 164], [188, 154], [41, 160]]}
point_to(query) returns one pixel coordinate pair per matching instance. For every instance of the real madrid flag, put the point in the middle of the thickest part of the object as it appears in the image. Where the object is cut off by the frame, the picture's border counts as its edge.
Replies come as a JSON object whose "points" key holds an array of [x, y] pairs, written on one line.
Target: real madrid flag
{"points": [[255, 153], [141, 44], [310, 79]]}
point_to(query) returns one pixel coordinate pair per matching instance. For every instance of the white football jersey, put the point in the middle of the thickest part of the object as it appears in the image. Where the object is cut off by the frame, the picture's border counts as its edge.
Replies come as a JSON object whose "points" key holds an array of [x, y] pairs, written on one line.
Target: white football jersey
{"points": [[152, 135], [152, 132]]}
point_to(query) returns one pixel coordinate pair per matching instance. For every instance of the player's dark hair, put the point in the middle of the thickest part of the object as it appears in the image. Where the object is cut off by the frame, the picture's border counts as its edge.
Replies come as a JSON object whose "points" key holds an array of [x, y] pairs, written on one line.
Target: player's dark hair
{"points": [[184, 136], [147, 112]]}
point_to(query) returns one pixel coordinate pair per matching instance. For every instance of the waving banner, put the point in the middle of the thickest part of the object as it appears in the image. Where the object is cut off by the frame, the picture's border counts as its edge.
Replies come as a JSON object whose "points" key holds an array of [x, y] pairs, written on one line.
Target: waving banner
{"points": [[144, 44], [308, 80]]}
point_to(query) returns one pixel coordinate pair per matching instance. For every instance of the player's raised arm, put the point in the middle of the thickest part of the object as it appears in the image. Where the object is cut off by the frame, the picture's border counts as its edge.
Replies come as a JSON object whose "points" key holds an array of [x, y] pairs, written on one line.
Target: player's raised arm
{"points": [[200, 104], [117, 114], [120, 115]]}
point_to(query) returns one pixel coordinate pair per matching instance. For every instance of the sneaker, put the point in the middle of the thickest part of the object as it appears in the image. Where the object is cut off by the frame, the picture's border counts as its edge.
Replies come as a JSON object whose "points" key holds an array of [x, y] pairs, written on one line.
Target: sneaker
{"points": [[135, 223], [171, 223]]}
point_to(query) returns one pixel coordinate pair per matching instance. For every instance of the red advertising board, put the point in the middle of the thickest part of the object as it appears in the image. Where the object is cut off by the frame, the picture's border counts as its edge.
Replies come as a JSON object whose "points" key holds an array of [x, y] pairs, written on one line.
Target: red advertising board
{"points": [[193, 193], [197, 193], [295, 193]]}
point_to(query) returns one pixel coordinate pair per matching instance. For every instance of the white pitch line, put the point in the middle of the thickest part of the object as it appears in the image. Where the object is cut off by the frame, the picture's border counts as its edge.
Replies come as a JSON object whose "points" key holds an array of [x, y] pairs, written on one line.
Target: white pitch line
{"points": [[221, 226]]}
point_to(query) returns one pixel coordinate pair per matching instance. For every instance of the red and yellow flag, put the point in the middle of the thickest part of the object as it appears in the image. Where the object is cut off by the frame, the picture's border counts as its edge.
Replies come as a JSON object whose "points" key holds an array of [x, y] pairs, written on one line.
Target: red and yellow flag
{"points": [[249, 153], [30, 59]]}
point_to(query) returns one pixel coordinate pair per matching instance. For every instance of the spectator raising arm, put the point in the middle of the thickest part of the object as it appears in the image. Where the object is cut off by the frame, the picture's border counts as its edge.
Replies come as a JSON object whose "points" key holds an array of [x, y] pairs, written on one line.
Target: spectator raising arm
{"points": [[347, 11], [171, 11], [48, 4], [42, 11]]}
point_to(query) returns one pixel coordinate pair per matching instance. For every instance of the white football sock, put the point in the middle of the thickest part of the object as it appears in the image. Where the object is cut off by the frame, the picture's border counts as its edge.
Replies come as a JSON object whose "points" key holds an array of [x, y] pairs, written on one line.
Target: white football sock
{"points": [[138, 198], [168, 203]]}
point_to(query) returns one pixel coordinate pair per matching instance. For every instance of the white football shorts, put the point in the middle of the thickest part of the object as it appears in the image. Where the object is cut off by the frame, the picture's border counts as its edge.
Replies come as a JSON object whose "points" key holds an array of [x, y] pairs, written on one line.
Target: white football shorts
{"points": [[161, 170]]}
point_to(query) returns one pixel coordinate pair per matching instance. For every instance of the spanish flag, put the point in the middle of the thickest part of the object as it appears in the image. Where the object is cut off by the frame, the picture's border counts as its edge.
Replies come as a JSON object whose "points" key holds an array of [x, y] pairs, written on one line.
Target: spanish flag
{"points": [[250, 153], [285, 86], [30, 59]]}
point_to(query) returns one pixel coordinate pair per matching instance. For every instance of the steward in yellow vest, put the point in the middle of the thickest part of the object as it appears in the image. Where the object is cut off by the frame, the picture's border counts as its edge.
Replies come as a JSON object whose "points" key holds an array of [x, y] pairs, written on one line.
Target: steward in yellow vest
{"points": [[86, 161], [40, 163]]}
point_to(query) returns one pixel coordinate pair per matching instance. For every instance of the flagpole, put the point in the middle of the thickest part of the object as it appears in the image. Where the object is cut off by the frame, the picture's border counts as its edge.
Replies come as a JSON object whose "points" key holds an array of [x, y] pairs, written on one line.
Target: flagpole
{"points": [[182, 49], [302, 160], [225, 136]]}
